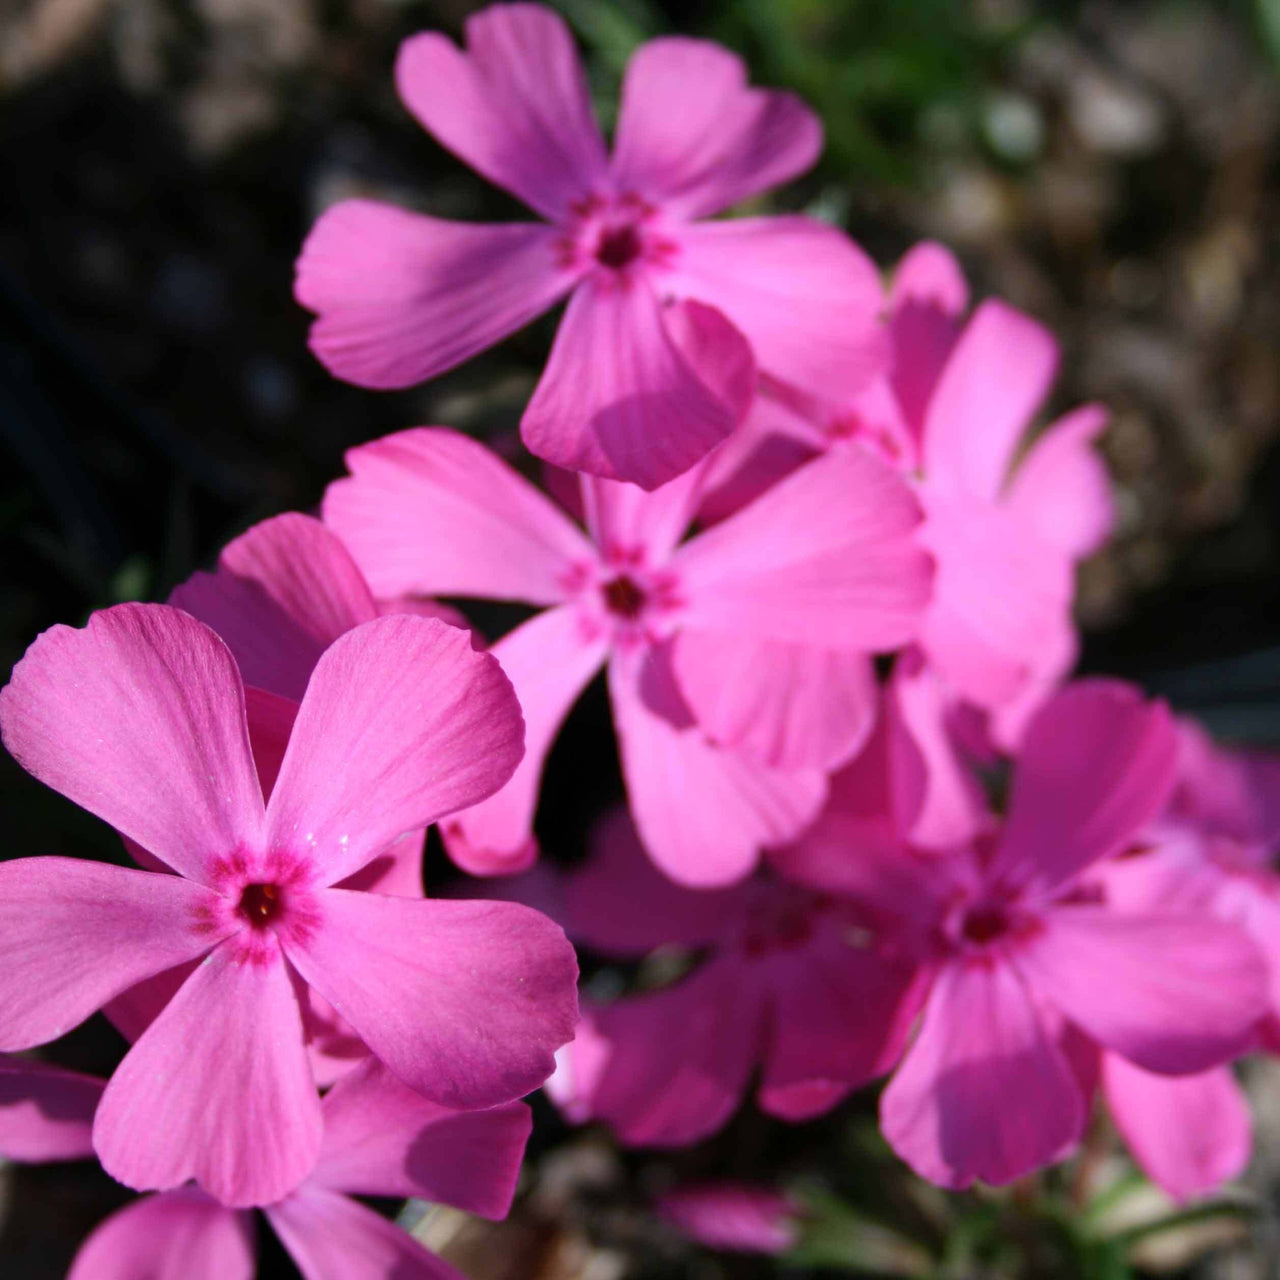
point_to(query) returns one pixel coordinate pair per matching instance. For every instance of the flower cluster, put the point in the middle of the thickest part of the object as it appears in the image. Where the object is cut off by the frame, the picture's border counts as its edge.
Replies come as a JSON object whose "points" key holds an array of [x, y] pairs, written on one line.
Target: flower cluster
{"points": [[804, 526]]}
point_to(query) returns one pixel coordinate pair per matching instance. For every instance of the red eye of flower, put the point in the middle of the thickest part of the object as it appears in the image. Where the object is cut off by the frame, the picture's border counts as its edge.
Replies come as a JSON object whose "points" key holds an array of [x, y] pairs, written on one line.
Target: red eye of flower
{"points": [[623, 597], [260, 903], [619, 247]]}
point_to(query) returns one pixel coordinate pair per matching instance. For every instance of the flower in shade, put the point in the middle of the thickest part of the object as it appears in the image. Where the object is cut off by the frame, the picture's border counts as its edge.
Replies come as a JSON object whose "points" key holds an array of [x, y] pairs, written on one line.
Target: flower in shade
{"points": [[739, 661], [140, 718], [46, 1112], [626, 394], [733, 1216]]}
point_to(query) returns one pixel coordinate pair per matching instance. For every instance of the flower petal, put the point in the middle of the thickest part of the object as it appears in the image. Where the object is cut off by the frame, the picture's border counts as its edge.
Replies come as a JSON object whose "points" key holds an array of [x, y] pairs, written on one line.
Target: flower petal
{"points": [[217, 1089], [401, 297], [693, 137], [73, 934], [983, 1093], [139, 718], [402, 723], [46, 1113], [465, 1001], [431, 512], [515, 105]]}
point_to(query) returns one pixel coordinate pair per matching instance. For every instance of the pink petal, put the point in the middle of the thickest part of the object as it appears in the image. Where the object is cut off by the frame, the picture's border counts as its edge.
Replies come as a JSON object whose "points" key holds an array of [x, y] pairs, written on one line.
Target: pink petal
{"points": [[401, 297], [46, 1113], [929, 273], [271, 719], [788, 705], [1097, 764], [703, 813], [693, 137], [333, 1238], [465, 1001], [139, 718], [828, 557], [999, 374], [515, 105], [549, 661], [1190, 1134], [805, 296], [618, 397], [983, 1093], [796, 1103], [431, 512], [73, 934], [1061, 488], [625, 519], [1173, 994], [218, 1089], [383, 1139], [181, 1235], [733, 1216], [403, 722], [282, 593], [1007, 723], [396, 871]]}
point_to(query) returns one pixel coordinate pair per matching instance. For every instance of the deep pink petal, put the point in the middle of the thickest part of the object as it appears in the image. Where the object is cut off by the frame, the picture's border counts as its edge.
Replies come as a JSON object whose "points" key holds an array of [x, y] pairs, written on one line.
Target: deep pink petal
{"points": [[73, 934], [1171, 993], [429, 511], [796, 1103], [1190, 1133], [694, 138], [788, 705], [1007, 723], [703, 813], [271, 718], [806, 297], [827, 557], [733, 1216], [282, 593], [618, 397], [549, 661], [465, 1001], [929, 273], [1097, 764], [218, 1089], [383, 1139], [984, 1092], [514, 105], [46, 1113], [181, 1235], [139, 718], [403, 722], [401, 297]]}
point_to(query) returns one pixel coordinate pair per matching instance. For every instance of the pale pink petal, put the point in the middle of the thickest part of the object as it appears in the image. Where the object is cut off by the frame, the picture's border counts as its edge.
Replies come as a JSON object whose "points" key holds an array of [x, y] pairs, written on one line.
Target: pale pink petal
{"points": [[465, 1001], [694, 138], [999, 374], [282, 593], [788, 705], [383, 1139], [1061, 488], [1190, 1133], [403, 722], [625, 519], [139, 718], [431, 512], [804, 295], [331, 1237], [733, 1216], [1174, 994], [1097, 764], [218, 1089], [549, 661], [181, 1235], [514, 105], [46, 1113], [1007, 723], [703, 813], [73, 934], [984, 1092], [618, 397], [827, 557], [400, 297]]}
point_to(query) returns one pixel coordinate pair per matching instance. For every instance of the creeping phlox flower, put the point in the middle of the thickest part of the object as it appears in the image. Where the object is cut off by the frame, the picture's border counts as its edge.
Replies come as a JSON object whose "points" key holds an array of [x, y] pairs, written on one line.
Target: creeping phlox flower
{"points": [[380, 1139], [633, 389], [738, 662], [140, 718]]}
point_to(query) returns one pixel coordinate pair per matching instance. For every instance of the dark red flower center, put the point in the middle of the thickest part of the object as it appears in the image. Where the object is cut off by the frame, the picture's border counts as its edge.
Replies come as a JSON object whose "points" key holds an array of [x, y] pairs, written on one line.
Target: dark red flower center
{"points": [[623, 597], [619, 247], [985, 924], [260, 904]]}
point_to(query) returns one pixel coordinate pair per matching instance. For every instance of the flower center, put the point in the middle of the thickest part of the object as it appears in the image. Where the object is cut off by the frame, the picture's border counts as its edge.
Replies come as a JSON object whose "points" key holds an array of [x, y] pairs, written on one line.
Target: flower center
{"points": [[619, 246], [623, 597], [985, 924], [260, 904]]}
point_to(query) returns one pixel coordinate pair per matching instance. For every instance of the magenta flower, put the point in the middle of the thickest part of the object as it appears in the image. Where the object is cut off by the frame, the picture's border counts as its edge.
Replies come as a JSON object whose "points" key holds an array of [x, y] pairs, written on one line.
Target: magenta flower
{"points": [[46, 1113], [626, 394], [738, 662], [734, 1216], [140, 718]]}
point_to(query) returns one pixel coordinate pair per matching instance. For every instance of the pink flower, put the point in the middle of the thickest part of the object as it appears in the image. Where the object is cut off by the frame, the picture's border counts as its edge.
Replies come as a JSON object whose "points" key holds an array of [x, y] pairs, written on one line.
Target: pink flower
{"points": [[733, 1215], [738, 662], [634, 388], [46, 1113], [140, 718]]}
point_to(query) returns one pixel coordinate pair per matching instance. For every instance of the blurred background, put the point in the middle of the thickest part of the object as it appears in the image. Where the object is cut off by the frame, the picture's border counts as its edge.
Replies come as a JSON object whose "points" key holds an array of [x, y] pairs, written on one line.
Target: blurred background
{"points": [[1112, 166]]}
